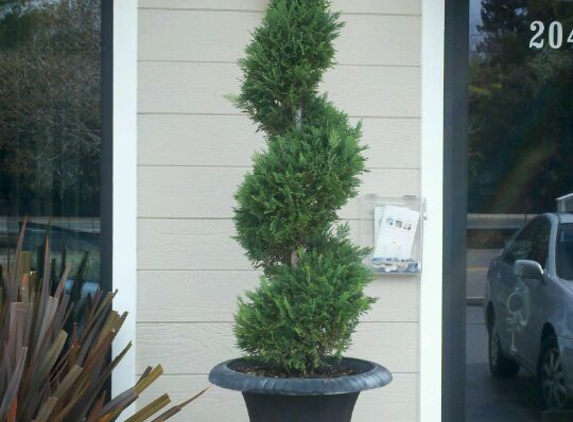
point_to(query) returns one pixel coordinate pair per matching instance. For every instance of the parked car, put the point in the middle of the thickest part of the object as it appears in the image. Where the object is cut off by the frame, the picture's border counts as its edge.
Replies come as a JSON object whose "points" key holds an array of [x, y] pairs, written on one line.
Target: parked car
{"points": [[529, 307]]}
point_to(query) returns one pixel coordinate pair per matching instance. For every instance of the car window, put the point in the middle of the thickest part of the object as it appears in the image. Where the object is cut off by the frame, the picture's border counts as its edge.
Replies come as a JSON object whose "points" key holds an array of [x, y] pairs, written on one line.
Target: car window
{"points": [[540, 242], [522, 245], [564, 252]]}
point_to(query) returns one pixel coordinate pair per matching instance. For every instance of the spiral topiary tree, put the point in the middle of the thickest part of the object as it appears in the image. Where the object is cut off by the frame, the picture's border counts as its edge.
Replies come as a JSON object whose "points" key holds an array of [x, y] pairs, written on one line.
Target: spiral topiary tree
{"points": [[311, 295]]}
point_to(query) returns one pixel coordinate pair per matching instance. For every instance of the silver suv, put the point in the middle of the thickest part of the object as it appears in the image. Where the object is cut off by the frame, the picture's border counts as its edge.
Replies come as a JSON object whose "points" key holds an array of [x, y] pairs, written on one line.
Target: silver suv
{"points": [[529, 307]]}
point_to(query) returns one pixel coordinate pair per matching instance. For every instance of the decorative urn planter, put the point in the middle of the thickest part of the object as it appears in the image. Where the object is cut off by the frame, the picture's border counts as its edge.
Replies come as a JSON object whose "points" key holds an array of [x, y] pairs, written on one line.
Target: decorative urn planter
{"points": [[301, 399]]}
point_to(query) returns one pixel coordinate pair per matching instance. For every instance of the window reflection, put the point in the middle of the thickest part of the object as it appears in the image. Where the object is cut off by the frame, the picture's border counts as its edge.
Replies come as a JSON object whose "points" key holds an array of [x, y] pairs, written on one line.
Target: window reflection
{"points": [[520, 155], [564, 255], [521, 131], [50, 128]]}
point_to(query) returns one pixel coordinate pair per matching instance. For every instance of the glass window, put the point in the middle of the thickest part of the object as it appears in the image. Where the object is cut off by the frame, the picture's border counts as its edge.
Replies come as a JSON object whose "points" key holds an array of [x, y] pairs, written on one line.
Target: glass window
{"points": [[520, 150], [564, 252], [50, 129], [521, 247], [540, 243]]}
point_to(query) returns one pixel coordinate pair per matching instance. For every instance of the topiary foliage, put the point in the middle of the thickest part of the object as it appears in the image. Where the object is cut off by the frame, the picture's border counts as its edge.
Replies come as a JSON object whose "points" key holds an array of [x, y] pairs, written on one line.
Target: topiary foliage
{"points": [[311, 294]]}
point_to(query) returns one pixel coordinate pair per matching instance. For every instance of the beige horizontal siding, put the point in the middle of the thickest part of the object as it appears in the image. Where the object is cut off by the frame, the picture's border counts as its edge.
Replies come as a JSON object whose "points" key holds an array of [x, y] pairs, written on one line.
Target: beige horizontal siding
{"points": [[194, 348], [392, 403], [166, 244], [181, 296], [230, 141], [407, 7], [194, 148], [172, 35], [200, 88], [203, 192], [206, 244]]}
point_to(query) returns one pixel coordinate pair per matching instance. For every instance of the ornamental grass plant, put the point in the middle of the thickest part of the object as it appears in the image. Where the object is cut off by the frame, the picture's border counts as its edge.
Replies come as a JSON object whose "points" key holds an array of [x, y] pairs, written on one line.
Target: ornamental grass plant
{"points": [[311, 297], [48, 374]]}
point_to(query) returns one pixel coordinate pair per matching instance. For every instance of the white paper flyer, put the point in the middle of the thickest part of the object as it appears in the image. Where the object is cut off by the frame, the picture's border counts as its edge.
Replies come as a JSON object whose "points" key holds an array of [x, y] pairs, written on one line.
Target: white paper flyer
{"points": [[394, 232]]}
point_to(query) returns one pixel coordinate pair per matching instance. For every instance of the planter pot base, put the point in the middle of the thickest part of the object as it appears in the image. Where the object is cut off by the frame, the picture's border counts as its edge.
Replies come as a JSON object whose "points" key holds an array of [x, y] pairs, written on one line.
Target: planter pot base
{"points": [[266, 408], [270, 399]]}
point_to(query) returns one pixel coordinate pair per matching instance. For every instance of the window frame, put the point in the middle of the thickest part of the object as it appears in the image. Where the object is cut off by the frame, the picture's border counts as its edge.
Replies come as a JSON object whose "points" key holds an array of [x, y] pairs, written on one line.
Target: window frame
{"points": [[121, 241], [106, 173], [455, 196]]}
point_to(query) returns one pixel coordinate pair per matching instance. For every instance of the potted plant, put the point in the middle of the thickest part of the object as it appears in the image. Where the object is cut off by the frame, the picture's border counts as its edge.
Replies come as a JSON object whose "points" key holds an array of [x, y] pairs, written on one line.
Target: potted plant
{"points": [[49, 373], [296, 325]]}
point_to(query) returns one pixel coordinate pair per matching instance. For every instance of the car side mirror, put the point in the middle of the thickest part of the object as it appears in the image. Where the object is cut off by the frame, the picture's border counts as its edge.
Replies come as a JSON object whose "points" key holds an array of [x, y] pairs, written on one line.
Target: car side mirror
{"points": [[528, 269]]}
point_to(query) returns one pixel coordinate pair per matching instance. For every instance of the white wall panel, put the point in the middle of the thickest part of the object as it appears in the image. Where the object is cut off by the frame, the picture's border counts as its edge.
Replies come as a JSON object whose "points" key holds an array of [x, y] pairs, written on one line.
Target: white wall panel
{"points": [[186, 88], [200, 88], [190, 36], [194, 348], [194, 148], [211, 296], [359, 92], [199, 140], [178, 244], [203, 244], [230, 141], [207, 192], [407, 7]]}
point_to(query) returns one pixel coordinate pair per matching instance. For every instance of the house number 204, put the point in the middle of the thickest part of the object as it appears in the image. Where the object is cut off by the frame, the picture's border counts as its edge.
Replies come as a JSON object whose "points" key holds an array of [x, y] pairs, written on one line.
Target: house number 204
{"points": [[554, 36]]}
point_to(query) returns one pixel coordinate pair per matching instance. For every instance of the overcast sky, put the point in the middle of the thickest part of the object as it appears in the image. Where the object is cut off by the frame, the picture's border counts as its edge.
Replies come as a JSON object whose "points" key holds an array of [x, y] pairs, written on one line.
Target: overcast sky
{"points": [[475, 20], [475, 16]]}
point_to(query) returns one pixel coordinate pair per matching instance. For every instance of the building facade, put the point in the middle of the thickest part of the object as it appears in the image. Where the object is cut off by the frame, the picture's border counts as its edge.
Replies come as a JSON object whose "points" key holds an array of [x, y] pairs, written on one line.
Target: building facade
{"points": [[194, 148]]}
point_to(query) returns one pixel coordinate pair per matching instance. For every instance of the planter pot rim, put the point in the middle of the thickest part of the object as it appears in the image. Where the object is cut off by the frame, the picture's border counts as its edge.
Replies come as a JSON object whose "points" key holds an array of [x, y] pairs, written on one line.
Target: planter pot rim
{"points": [[371, 376]]}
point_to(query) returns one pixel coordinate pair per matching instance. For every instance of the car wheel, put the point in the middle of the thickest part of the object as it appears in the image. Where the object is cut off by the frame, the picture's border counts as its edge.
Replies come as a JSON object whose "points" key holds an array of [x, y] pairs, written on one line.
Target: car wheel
{"points": [[551, 376], [499, 365]]}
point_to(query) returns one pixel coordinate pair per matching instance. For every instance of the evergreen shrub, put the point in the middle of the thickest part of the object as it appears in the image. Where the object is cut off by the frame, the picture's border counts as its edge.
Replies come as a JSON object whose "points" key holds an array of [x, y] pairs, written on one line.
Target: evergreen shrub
{"points": [[311, 295]]}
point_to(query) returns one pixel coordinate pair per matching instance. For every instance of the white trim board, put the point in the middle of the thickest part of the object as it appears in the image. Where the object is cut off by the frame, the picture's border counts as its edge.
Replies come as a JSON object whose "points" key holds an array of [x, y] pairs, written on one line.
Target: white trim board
{"points": [[125, 184], [432, 163]]}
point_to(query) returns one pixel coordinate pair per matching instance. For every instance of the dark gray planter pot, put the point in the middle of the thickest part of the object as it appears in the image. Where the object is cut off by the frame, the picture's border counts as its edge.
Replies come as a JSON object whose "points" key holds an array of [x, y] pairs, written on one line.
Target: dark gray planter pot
{"points": [[301, 399]]}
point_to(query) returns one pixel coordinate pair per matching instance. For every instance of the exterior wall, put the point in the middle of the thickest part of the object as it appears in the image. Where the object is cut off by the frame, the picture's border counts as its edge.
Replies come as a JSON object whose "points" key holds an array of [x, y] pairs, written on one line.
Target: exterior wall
{"points": [[194, 148]]}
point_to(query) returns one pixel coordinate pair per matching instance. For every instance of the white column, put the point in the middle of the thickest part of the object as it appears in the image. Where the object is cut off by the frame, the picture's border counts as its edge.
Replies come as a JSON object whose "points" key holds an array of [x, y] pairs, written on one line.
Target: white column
{"points": [[125, 184], [433, 35]]}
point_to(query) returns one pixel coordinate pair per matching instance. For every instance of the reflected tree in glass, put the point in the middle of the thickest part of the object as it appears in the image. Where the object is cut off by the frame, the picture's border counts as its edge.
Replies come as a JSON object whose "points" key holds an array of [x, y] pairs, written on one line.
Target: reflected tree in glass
{"points": [[521, 102], [50, 124]]}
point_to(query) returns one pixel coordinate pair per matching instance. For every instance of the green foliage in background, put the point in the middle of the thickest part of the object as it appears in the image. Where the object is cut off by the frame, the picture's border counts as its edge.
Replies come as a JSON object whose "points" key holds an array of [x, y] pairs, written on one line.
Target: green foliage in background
{"points": [[311, 294], [521, 108], [50, 107]]}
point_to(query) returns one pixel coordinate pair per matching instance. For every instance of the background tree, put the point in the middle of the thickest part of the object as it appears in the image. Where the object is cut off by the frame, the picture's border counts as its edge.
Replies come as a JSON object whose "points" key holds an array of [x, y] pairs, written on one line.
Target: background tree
{"points": [[521, 111], [50, 104], [311, 294]]}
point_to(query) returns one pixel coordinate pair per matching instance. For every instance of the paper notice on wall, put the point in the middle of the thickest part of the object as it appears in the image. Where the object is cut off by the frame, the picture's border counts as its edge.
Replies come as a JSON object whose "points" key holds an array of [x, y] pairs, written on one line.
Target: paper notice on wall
{"points": [[394, 232]]}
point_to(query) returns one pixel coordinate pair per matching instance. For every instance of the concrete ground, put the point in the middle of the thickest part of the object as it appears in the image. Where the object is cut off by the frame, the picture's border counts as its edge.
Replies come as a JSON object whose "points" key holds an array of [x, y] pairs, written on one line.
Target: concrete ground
{"points": [[491, 399]]}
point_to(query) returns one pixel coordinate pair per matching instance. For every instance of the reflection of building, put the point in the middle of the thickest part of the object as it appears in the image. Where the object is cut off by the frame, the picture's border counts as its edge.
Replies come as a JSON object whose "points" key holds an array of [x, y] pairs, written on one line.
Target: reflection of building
{"points": [[565, 203]]}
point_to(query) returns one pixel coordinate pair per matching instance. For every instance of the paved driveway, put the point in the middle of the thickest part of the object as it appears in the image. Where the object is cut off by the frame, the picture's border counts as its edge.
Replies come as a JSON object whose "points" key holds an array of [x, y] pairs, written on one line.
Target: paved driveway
{"points": [[491, 399]]}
